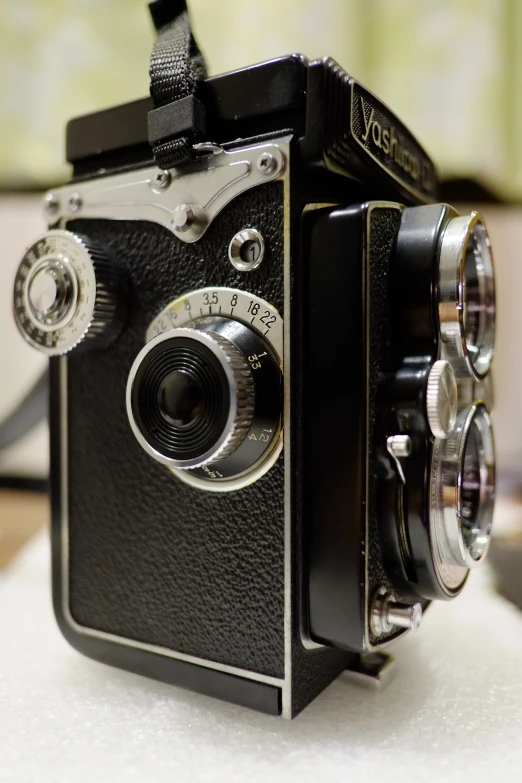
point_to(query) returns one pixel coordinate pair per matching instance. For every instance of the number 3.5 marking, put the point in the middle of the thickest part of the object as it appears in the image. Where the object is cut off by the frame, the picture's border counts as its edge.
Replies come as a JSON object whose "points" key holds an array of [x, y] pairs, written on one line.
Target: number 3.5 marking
{"points": [[254, 360]]}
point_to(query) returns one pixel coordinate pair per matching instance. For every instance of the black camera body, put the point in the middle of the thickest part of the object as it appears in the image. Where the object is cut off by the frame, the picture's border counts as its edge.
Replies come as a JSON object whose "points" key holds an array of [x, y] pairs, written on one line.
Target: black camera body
{"points": [[250, 433]]}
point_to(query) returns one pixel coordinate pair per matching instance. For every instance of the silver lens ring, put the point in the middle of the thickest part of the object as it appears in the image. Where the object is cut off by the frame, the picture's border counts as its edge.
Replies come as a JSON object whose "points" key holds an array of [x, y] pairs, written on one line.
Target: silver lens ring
{"points": [[462, 497], [467, 295], [237, 378]]}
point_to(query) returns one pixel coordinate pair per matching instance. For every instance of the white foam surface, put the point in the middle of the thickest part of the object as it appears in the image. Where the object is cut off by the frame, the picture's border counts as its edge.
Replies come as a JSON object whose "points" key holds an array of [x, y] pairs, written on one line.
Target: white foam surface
{"points": [[452, 714]]}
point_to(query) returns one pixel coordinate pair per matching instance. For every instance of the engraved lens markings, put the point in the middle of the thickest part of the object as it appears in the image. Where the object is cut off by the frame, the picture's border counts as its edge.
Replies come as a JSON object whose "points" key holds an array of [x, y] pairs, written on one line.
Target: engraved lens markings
{"points": [[240, 305]]}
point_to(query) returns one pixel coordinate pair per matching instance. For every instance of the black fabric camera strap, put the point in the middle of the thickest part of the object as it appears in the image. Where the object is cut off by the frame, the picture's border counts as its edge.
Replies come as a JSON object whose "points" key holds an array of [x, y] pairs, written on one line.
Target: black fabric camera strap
{"points": [[176, 67]]}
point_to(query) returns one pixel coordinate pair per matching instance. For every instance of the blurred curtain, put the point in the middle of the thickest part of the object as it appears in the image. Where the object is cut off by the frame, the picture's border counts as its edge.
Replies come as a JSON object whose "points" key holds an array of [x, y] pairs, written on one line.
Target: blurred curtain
{"points": [[451, 69]]}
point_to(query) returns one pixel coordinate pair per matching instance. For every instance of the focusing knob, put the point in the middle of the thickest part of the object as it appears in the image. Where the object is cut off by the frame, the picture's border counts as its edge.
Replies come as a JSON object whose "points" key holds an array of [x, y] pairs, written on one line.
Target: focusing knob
{"points": [[67, 294], [441, 399]]}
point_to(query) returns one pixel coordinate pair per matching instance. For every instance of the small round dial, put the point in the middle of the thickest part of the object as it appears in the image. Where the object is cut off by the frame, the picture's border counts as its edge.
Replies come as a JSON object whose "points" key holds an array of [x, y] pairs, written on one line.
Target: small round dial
{"points": [[204, 397], [67, 294]]}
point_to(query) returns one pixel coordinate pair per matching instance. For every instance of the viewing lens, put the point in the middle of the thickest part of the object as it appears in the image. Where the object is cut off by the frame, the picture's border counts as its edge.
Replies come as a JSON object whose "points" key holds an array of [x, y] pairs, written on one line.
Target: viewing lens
{"points": [[467, 296], [479, 299]]}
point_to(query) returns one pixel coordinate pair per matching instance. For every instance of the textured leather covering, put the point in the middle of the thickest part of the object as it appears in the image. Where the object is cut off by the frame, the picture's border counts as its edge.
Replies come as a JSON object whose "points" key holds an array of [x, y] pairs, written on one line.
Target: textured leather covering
{"points": [[384, 227], [151, 558]]}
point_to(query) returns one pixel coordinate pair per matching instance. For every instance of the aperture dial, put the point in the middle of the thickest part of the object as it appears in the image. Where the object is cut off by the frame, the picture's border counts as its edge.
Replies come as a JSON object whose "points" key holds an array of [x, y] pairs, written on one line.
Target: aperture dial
{"points": [[67, 294], [228, 302]]}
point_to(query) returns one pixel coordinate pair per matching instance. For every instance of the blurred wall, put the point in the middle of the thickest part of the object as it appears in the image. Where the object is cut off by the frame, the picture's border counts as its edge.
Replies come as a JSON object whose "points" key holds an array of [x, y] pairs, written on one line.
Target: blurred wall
{"points": [[451, 69]]}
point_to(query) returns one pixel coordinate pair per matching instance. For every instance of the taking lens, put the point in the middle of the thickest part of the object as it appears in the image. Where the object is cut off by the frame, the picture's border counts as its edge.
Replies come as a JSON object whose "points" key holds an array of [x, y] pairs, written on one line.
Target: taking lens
{"points": [[462, 497]]}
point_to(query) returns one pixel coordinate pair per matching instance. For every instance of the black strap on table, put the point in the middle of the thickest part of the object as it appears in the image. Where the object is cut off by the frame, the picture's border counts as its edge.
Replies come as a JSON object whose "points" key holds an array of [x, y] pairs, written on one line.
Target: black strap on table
{"points": [[176, 67]]}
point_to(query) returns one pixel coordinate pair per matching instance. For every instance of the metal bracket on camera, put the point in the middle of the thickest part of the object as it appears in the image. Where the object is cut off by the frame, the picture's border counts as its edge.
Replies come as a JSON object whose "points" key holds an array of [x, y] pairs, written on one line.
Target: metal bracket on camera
{"points": [[184, 200], [372, 670]]}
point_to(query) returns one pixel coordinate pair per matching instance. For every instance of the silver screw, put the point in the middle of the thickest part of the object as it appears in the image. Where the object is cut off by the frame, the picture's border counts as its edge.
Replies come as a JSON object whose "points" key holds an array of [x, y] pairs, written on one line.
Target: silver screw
{"points": [[161, 180], [51, 203], [266, 163], [388, 613], [399, 445], [75, 202], [183, 218]]}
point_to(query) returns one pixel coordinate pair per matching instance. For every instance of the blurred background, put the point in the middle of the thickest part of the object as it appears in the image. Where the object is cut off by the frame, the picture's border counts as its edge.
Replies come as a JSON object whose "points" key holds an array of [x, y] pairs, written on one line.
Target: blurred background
{"points": [[451, 69]]}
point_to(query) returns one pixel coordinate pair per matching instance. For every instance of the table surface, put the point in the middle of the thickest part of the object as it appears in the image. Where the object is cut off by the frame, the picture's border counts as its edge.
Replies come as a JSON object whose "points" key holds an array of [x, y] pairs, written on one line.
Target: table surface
{"points": [[452, 713]]}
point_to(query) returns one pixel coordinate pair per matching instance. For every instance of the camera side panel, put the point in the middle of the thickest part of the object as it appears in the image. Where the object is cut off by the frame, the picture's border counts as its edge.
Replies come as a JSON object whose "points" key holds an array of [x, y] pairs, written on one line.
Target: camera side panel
{"points": [[150, 558], [350, 251]]}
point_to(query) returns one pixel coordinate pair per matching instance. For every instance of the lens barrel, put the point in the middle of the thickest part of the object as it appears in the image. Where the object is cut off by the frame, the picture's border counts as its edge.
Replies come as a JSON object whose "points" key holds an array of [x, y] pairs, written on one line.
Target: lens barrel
{"points": [[205, 398], [462, 497], [467, 296]]}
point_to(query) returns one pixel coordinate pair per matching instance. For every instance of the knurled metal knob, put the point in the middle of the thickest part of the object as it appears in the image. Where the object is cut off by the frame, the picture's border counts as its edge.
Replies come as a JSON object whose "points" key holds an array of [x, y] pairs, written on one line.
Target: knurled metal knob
{"points": [[68, 294], [441, 399], [241, 387], [388, 614]]}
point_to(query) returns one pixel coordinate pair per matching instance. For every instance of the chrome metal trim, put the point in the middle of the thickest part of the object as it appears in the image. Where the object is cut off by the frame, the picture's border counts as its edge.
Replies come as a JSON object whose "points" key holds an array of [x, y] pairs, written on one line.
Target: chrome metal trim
{"points": [[219, 348], [73, 254], [185, 310], [441, 399], [463, 235], [286, 700], [205, 186], [190, 307], [453, 556], [250, 476], [238, 242], [388, 613]]}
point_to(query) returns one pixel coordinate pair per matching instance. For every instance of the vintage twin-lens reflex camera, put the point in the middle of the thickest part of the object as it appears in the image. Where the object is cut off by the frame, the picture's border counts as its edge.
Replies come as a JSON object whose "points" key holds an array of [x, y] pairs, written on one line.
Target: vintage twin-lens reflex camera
{"points": [[270, 438]]}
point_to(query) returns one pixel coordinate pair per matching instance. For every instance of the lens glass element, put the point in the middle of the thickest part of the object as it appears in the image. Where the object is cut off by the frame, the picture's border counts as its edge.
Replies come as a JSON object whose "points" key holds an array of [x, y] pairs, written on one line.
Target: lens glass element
{"points": [[475, 491], [479, 299], [462, 497], [181, 399]]}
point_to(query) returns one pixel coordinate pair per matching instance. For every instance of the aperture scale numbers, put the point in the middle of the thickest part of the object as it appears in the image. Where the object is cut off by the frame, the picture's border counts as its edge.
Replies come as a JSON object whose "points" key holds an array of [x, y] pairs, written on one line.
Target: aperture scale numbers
{"points": [[227, 302]]}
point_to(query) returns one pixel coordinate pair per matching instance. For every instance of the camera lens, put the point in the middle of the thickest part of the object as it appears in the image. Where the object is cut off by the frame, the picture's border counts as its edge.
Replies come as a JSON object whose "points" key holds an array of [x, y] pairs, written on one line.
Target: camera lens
{"points": [[467, 295], [182, 395], [462, 497], [190, 397], [180, 398]]}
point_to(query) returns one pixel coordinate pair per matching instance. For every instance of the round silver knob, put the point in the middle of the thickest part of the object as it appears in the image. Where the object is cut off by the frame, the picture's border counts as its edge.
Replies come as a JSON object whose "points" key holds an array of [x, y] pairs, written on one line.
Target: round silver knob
{"points": [[44, 291], [67, 294], [441, 399], [388, 614], [183, 218]]}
